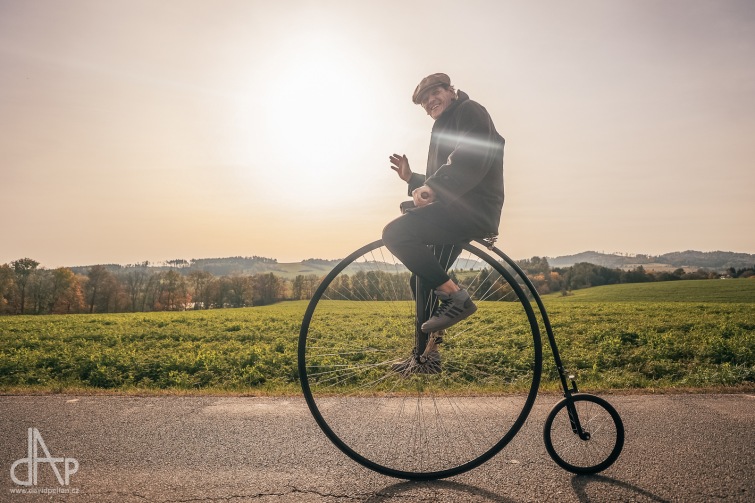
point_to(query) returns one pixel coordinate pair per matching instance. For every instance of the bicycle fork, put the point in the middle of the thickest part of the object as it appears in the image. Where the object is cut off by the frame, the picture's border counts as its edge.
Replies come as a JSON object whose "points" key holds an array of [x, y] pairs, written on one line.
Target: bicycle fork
{"points": [[576, 425]]}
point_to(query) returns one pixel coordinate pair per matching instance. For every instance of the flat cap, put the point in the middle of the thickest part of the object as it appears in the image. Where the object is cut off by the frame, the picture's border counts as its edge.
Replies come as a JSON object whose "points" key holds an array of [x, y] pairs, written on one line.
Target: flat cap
{"points": [[434, 80]]}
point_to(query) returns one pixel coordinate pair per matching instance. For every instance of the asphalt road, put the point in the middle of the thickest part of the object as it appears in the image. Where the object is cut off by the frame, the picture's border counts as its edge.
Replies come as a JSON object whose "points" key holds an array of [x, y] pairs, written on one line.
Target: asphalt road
{"points": [[684, 448]]}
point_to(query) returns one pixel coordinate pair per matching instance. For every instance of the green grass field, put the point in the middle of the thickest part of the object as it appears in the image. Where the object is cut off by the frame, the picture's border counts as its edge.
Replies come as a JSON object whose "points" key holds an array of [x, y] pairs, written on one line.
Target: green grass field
{"points": [[684, 334], [723, 290]]}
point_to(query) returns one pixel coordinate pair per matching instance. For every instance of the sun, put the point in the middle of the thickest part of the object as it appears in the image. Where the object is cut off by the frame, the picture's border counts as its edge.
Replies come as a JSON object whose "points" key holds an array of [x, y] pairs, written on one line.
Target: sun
{"points": [[315, 119]]}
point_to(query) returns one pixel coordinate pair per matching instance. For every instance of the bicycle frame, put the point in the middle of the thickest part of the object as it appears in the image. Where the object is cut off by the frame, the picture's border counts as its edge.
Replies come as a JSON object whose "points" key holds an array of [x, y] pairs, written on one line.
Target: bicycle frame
{"points": [[562, 372], [328, 364], [425, 301]]}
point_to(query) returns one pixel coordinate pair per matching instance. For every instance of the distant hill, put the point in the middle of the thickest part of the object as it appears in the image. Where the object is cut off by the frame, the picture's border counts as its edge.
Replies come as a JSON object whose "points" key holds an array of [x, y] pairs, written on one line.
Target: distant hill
{"points": [[689, 260], [710, 260], [716, 261]]}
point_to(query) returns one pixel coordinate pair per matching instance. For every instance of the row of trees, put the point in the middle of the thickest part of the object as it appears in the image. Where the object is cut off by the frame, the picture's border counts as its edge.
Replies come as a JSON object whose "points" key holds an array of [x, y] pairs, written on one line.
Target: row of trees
{"points": [[25, 288], [585, 275]]}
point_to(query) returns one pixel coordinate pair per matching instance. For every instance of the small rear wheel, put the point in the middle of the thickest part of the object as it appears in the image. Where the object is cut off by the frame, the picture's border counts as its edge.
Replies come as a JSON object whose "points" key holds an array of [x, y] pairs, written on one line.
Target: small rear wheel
{"points": [[597, 448]]}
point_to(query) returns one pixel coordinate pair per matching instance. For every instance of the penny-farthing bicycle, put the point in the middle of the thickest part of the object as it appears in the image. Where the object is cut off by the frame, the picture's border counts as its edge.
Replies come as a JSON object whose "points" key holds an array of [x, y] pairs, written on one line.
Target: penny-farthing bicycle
{"points": [[464, 393]]}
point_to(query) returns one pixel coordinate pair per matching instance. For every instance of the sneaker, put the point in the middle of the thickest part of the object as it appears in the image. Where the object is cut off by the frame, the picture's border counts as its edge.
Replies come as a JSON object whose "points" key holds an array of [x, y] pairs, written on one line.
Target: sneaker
{"points": [[452, 309]]}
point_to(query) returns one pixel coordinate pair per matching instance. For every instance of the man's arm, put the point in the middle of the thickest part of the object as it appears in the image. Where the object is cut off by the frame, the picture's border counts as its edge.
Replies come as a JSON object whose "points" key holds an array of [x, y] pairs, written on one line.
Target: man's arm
{"points": [[400, 164], [415, 182]]}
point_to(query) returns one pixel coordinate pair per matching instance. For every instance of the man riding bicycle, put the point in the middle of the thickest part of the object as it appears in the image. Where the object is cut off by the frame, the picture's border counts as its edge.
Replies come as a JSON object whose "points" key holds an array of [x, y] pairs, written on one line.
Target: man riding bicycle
{"points": [[459, 198]]}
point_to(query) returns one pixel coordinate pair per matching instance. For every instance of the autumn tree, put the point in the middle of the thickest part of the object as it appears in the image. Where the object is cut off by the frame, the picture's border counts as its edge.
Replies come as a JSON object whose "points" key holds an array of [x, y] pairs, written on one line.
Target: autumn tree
{"points": [[65, 292], [535, 265], [39, 291], [584, 275], [7, 287], [199, 282], [173, 293], [24, 269], [241, 292], [99, 281], [303, 286], [135, 283], [341, 286], [268, 288], [636, 275], [218, 292], [297, 287]]}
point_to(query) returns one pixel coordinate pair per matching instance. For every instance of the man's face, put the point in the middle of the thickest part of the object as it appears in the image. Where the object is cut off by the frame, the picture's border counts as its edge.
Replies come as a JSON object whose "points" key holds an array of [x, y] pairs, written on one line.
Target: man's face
{"points": [[436, 100]]}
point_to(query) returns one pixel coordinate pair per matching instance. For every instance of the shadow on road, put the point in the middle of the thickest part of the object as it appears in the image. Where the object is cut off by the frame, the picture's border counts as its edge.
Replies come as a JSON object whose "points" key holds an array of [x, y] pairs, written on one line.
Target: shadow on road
{"points": [[581, 482], [464, 491]]}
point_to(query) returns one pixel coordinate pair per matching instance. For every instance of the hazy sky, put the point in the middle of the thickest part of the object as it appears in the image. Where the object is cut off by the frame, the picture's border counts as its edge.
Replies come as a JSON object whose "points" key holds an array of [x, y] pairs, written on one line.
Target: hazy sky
{"points": [[152, 130]]}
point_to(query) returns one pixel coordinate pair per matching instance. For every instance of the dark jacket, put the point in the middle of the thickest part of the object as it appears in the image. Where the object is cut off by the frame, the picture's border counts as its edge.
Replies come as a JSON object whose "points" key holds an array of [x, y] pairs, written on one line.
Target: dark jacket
{"points": [[465, 164]]}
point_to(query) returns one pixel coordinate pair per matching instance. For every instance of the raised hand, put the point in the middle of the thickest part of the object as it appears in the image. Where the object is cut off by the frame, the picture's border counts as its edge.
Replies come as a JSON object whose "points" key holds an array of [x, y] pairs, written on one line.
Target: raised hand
{"points": [[400, 164]]}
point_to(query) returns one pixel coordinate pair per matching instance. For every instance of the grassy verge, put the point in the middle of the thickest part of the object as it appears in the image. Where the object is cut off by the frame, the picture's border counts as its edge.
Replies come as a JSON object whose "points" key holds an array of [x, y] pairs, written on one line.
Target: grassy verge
{"points": [[233, 350]]}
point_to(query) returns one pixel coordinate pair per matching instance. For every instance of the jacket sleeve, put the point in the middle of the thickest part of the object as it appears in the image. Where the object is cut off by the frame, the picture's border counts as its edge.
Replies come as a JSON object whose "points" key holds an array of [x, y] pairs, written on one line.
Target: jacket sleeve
{"points": [[417, 180], [476, 144]]}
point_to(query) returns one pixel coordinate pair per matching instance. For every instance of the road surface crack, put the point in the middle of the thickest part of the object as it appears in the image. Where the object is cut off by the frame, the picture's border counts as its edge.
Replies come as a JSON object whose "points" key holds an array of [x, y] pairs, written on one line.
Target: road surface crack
{"points": [[271, 494]]}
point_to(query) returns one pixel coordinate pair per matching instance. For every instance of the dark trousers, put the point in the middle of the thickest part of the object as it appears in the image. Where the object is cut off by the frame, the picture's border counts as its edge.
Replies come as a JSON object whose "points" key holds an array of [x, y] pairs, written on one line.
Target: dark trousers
{"points": [[408, 237]]}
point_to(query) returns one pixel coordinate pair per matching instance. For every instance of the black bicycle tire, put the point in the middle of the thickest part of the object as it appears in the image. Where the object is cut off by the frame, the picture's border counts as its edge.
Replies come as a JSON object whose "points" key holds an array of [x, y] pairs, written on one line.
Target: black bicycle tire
{"points": [[613, 455], [402, 474]]}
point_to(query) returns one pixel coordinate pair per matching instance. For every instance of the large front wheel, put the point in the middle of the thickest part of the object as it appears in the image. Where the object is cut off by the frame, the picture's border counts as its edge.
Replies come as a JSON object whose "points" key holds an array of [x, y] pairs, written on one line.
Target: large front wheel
{"points": [[593, 449], [406, 422]]}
